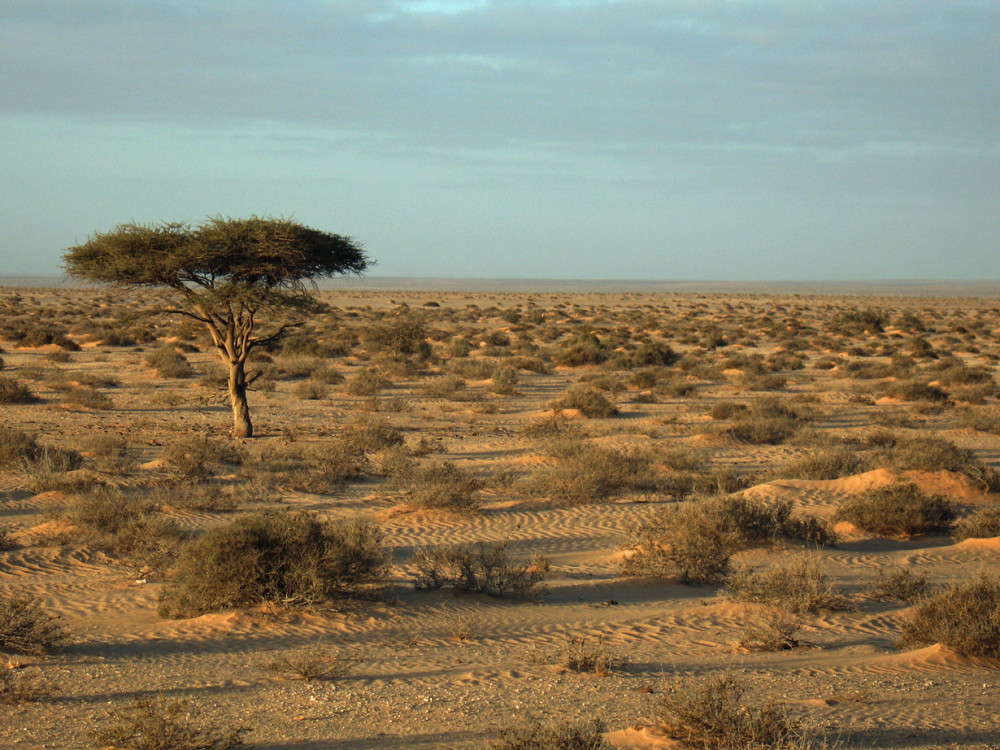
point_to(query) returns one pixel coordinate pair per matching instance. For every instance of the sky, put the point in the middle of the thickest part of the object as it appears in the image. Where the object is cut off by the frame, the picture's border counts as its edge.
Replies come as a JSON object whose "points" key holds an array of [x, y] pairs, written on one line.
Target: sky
{"points": [[730, 140]]}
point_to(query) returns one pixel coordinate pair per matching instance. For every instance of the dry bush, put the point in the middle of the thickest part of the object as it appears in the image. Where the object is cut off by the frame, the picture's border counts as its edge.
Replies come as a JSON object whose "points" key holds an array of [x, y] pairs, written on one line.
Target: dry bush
{"points": [[406, 336], [983, 524], [13, 392], [440, 484], [830, 464], [590, 654], [370, 434], [164, 725], [22, 686], [916, 390], [366, 382], [773, 631], [504, 381], [112, 453], [196, 458], [20, 450], [537, 736], [797, 586], [695, 540], [288, 558], [590, 402], [898, 510], [444, 386], [768, 421], [897, 584], [478, 568], [309, 664], [587, 473], [310, 390], [87, 398], [25, 628], [169, 363], [587, 349], [964, 616], [713, 712]]}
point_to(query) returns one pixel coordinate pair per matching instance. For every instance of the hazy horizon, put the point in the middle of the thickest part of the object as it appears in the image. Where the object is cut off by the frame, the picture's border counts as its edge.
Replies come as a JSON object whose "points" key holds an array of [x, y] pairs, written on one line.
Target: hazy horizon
{"points": [[589, 139]]}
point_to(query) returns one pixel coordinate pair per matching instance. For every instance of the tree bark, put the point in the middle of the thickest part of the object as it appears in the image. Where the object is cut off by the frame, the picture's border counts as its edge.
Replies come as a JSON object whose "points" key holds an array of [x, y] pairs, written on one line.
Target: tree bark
{"points": [[242, 427]]}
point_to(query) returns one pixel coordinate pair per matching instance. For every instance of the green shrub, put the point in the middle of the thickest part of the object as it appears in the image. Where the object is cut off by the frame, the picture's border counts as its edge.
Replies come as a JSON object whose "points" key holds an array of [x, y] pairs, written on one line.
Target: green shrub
{"points": [[983, 524], [714, 712], [25, 628], [964, 616], [288, 558], [590, 402], [163, 725], [898, 510], [798, 586], [478, 568]]}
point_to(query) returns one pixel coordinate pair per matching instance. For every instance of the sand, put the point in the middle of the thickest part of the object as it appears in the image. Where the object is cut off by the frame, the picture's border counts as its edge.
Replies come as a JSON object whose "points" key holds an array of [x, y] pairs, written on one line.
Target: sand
{"points": [[445, 670]]}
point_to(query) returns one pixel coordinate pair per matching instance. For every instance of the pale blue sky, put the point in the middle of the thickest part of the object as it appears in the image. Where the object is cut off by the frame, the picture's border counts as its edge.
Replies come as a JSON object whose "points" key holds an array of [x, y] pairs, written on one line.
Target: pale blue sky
{"points": [[625, 139]]}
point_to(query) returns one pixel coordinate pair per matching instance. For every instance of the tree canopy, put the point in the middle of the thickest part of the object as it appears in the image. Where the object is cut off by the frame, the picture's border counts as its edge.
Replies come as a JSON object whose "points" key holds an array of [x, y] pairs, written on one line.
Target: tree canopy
{"points": [[223, 272]]}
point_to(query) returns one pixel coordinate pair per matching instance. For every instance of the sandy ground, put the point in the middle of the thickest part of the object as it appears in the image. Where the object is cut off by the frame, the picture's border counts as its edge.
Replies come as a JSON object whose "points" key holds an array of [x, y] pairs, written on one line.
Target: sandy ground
{"points": [[445, 670]]}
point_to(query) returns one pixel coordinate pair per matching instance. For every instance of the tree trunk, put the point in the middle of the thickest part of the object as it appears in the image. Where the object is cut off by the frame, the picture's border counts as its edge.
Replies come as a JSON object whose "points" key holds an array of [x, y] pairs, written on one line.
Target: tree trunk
{"points": [[242, 427]]}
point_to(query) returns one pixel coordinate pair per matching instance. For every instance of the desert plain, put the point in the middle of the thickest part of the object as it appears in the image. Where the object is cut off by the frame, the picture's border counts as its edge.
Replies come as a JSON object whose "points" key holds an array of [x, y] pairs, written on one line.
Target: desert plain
{"points": [[564, 432]]}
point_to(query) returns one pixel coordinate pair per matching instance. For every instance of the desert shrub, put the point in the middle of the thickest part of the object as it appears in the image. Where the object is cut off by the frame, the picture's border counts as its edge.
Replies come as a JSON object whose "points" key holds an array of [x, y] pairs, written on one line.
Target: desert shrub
{"points": [[20, 450], [587, 473], [310, 390], [403, 337], [894, 583], [830, 464], [964, 616], [309, 664], [477, 368], [537, 736], [772, 631], [587, 349], [288, 558], [441, 484], [714, 712], [979, 419], [196, 458], [478, 568], [25, 628], [653, 353], [445, 386], [768, 421], [327, 374], [169, 363], [164, 725], [304, 345], [798, 586], [504, 381], [590, 402], [13, 392], [87, 398], [924, 453], [761, 381], [898, 510], [727, 410], [696, 540], [589, 654], [317, 469], [370, 434], [983, 524], [112, 453], [915, 390], [366, 382], [552, 426], [607, 383], [22, 686]]}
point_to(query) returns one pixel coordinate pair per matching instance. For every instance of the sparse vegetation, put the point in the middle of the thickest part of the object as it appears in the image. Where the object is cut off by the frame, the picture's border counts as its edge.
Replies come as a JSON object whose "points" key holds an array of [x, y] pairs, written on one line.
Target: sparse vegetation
{"points": [[148, 724], [898, 510], [964, 616], [25, 628], [480, 568]]}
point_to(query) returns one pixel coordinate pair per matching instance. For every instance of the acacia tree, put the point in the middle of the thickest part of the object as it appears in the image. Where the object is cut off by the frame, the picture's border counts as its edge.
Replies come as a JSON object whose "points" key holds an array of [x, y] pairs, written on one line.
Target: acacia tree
{"points": [[225, 273]]}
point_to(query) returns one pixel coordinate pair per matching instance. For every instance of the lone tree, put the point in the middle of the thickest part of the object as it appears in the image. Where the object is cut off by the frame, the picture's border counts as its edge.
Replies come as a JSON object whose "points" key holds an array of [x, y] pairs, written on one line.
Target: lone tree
{"points": [[224, 273]]}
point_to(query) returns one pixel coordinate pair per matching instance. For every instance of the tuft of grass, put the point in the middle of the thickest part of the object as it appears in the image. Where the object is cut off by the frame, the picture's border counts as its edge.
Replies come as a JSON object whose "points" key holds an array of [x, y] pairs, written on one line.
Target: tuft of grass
{"points": [[590, 654], [964, 616], [22, 686], [772, 631], [898, 510], [25, 628], [441, 484], [588, 473]]}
